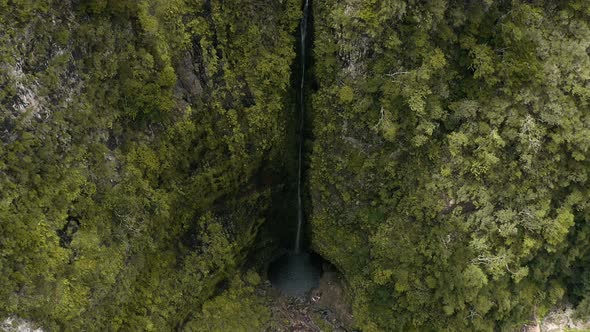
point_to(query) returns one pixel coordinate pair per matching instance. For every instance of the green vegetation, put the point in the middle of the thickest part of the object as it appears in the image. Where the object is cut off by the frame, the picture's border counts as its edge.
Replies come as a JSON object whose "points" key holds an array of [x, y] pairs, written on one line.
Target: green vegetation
{"points": [[449, 172], [144, 145], [237, 309], [134, 135]]}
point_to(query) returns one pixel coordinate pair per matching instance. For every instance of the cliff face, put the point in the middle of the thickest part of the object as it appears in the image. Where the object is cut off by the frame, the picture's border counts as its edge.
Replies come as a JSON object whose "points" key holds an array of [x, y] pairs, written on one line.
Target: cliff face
{"points": [[134, 139], [449, 163], [448, 159]]}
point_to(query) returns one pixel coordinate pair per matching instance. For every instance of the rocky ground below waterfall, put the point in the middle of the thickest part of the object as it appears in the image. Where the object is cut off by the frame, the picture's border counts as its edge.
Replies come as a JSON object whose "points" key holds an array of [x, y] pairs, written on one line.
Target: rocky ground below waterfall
{"points": [[323, 309]]}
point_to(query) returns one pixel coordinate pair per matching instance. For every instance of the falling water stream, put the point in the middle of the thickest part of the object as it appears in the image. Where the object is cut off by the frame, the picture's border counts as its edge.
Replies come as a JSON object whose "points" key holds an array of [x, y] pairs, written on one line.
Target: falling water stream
{"points": [[294, 274], [303, 32]]}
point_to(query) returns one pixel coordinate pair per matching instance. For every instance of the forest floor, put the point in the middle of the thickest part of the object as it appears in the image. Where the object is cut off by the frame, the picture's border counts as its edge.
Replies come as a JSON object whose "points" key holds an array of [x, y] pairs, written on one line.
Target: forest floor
{"points": [[324, 308]]}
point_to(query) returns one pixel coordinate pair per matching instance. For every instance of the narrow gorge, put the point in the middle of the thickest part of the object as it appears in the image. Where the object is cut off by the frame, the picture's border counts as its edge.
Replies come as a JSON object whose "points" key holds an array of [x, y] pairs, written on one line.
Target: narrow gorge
{"points": [[297, 272], [238, 165]]}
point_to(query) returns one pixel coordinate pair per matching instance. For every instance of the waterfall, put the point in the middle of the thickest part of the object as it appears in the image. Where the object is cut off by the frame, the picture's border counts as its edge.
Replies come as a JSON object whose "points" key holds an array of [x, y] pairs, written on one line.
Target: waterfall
{"points": [[303, 32], [295, 273]]}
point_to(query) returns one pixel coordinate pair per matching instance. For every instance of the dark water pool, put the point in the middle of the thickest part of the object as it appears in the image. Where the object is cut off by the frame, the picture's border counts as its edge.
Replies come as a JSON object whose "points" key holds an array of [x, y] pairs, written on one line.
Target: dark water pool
{"points": [[295, 274]]}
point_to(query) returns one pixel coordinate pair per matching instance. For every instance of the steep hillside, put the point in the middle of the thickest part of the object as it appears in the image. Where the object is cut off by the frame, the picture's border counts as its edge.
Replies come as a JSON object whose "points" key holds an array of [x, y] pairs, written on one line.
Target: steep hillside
{"points": [[135, 137], [449, 165]]}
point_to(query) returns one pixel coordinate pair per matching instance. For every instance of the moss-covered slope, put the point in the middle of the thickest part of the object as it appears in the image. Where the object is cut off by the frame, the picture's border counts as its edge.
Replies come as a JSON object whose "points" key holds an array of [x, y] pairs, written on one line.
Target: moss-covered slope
{"points": [[133, 139]]}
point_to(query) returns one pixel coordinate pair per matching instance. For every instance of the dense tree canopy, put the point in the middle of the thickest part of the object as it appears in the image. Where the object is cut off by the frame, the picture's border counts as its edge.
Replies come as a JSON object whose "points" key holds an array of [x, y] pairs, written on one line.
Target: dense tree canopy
{"points": [[450, 158]]}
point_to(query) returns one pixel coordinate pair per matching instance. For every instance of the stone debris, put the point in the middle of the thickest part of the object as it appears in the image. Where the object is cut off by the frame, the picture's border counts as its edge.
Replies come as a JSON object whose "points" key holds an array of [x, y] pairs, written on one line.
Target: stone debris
{"points": [[562, 319], [322, 309], [15, 324]]}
